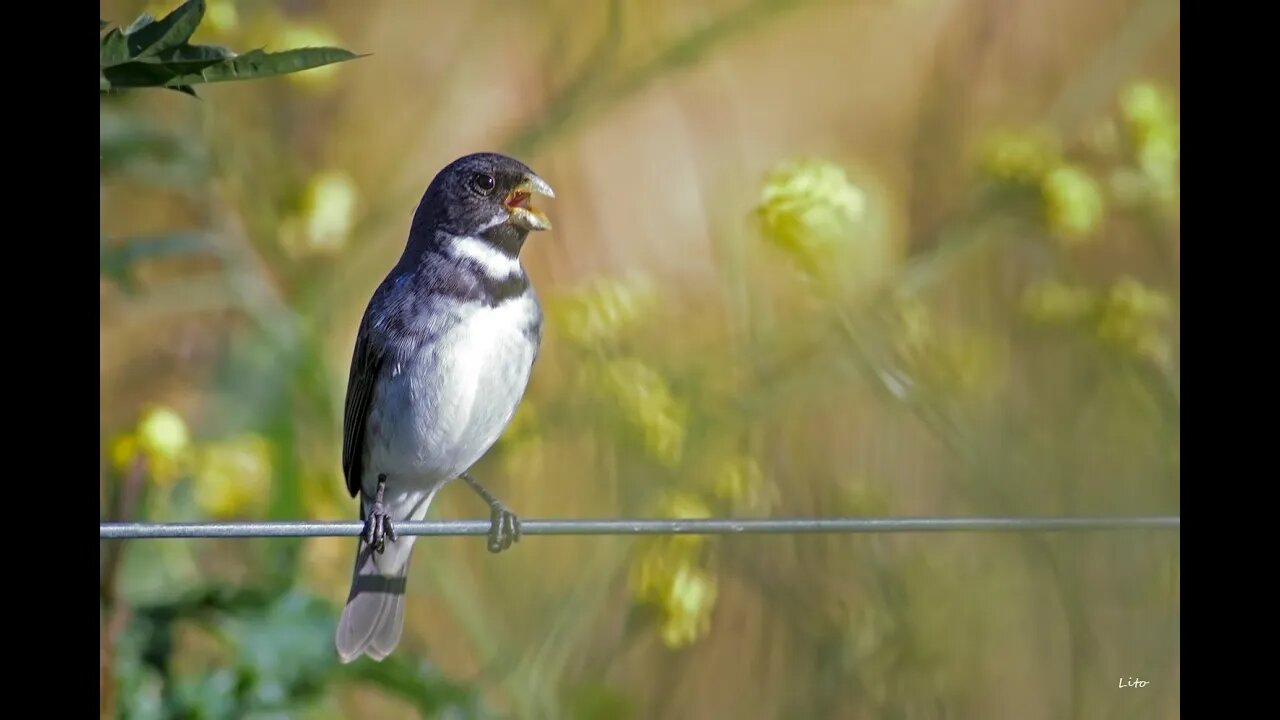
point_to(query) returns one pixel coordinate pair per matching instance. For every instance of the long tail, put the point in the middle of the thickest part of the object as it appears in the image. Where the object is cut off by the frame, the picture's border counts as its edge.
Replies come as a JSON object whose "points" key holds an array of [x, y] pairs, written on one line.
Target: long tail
{"points": [[373, 618]]}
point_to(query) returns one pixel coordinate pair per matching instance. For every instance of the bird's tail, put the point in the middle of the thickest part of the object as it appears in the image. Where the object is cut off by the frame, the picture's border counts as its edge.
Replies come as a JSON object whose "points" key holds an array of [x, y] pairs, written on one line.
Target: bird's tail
{"points": [[373, 618]]}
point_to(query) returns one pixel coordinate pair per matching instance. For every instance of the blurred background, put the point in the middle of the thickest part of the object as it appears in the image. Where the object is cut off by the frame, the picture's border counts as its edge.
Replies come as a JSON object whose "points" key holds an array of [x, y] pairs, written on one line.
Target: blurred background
{"points": [[858, 258]]}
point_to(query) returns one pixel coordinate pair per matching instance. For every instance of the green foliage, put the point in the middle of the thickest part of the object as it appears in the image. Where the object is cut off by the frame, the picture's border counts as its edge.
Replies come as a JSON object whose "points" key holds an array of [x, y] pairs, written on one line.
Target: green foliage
{"points": [[276, 657], [152, 53]]}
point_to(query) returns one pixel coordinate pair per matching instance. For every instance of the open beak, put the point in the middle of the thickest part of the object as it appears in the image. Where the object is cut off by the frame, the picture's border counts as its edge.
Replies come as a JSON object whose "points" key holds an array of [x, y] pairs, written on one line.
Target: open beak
{"points": [[524, 215]]}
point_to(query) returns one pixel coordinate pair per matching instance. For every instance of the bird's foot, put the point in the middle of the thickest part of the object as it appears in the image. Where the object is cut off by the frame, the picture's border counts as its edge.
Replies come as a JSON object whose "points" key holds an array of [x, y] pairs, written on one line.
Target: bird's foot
{"points": [[377, 527], [504, 527]]}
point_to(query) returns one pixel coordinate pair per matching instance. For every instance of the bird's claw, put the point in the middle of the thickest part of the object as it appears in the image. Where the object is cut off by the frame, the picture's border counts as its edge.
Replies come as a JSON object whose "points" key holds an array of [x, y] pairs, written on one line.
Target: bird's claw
{"points": [[504, 527], [378, 528]]}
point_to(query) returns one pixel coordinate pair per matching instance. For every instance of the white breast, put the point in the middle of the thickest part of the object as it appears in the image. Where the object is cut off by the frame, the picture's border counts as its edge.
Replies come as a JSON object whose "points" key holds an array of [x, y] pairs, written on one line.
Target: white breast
{"points": [[444, 409]]}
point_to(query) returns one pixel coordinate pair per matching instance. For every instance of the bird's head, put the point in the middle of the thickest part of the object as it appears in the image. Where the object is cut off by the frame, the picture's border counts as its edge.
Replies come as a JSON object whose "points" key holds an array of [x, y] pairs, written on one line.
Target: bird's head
{"points": [[485, 195]]}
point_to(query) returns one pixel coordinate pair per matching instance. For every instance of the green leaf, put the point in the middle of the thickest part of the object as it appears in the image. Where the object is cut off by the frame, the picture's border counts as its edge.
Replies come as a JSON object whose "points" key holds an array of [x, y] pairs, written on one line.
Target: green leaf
{"points": [[259, 64], [172, 31], [102, 24], [202, 55], [117, 258], [159, 70], [137, 74], [146, 37], [143, 20], [130, 143], [113, 48]]}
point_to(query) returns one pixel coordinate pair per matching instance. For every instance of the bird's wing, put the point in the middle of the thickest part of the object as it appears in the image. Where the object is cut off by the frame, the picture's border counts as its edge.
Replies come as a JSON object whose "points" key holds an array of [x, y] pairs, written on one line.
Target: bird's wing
{"points": [[366, 367]]}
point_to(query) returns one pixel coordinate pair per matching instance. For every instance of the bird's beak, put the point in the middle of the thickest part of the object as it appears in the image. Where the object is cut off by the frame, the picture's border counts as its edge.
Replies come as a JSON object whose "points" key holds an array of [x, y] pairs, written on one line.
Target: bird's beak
{"points": [[523, 215]]}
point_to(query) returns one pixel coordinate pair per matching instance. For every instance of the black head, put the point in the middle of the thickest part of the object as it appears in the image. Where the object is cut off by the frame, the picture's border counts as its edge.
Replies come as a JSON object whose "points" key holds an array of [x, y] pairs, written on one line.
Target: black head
{"points": [[484, 195]]}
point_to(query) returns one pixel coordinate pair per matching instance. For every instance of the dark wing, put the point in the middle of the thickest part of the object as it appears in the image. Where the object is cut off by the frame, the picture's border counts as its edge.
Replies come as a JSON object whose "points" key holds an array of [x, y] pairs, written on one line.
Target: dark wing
{"points": [[366, 365]]}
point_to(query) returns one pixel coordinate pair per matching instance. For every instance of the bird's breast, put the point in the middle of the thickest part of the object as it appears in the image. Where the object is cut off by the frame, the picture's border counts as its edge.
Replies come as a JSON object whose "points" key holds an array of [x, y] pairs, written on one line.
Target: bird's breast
{"points": [[442, 409]]}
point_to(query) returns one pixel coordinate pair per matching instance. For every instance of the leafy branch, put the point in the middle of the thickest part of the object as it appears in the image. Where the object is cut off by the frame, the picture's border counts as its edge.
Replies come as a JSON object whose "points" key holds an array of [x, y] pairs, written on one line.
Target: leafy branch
{"points": [[152, 53]]}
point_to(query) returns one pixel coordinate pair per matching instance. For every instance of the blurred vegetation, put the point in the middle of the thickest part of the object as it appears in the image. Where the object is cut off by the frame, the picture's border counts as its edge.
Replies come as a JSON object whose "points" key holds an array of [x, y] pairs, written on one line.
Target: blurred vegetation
{"points": [[941, 280], [155, 53]]}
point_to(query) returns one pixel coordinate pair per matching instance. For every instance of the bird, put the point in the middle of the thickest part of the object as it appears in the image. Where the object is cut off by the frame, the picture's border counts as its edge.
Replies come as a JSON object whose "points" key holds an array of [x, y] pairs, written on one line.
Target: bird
{"points": [[442, 359]]}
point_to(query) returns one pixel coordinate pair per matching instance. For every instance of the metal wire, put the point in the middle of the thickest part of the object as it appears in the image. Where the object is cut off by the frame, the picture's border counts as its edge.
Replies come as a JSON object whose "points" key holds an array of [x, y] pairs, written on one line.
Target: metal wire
{"points": [[752, 526]]}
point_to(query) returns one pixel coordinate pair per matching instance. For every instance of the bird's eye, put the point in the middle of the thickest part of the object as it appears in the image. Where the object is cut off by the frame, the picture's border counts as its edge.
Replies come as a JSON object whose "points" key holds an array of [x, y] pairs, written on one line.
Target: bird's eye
{"points": [[482, 184]]}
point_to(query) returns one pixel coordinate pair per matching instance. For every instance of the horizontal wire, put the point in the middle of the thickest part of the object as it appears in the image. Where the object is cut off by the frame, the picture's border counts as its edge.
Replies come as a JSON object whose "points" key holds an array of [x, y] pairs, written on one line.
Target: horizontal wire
{"points": [[752, 526]]}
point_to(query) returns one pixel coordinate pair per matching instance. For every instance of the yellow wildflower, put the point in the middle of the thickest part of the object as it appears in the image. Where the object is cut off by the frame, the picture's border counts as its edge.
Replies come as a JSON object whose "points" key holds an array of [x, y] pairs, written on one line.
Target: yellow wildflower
{"points": [[323, 225], [738, 480], [1023, 156], [1130, 320], [604, 310], [1152, 123], [162, 439], [1072, 203], [808, 208], [648, 404], [1054, 302], [683, 594], [233, 477]]}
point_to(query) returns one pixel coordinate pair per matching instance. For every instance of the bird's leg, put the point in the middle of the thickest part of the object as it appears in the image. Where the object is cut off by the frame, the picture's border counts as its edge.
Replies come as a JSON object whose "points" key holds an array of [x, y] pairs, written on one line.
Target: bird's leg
{"points": [[505, 525], [377, 528]]}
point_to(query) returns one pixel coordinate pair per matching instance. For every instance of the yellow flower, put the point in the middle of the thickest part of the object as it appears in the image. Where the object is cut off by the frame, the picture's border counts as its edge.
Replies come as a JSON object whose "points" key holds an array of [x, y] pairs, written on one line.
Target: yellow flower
{"points": [[1147, 111], [603, 311], [1022, 156], [327, 216], [1151, 120], [647, 403], [738, 480], [1130, 320], [1138, 300], [687, 606], [1073, 203], [683, 594], [681, 505], [233, 477], [809, 208], [651, 569], [1054, 302], [162, 439], [163, 432], [659, 557], [123, 450]]}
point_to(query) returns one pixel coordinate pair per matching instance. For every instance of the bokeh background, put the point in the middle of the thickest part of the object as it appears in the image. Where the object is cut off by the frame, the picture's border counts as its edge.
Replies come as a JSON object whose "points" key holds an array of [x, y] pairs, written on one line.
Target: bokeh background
{"points": [[866, 257]]}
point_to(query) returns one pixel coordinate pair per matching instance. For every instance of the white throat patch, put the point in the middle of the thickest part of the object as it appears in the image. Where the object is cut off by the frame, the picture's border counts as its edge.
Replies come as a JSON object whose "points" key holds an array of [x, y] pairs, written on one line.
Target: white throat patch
{"points": [[496, 263]]}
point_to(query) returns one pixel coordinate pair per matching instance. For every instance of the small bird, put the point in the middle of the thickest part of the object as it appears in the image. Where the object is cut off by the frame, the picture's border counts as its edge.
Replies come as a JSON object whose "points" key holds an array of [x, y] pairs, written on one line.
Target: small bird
{"points": [[441, 361]]}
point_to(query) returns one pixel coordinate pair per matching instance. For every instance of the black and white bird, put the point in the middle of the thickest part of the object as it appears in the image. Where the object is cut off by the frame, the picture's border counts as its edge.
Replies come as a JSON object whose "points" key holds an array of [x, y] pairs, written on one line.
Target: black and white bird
{"points": [[441, 362]]}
